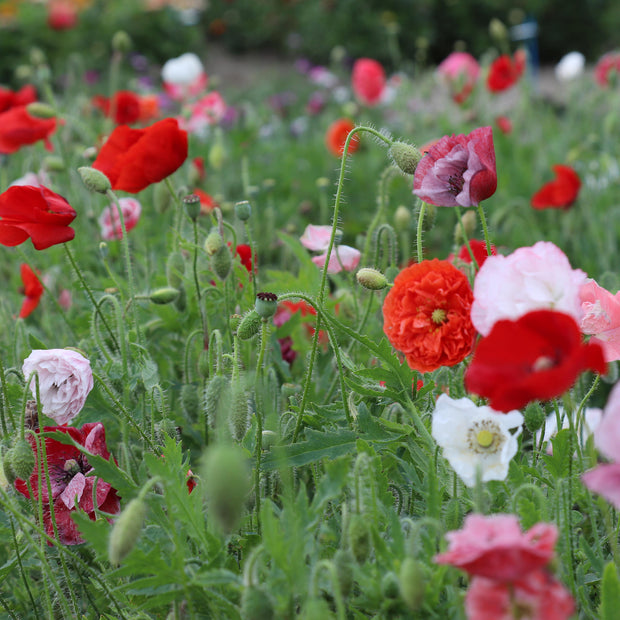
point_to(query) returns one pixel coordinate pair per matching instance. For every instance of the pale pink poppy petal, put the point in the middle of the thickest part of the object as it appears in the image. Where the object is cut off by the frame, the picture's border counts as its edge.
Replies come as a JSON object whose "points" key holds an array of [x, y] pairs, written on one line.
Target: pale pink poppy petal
{"points": [[607, 433], [605, 480], [316, 238], [601, 317], [73, 490], [344, 257]]}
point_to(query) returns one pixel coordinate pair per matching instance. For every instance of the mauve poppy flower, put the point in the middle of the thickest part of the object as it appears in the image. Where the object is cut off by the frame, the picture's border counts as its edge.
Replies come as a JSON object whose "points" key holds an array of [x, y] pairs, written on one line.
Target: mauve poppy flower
{"points": [[70, 482], [427, 315], [601, 318], [495, 547], [607, 68], [536, 357], [342, 257], [35, 212], [460, 71], [18, 128], [133, 159], [560, 193], [368, 80], [125, 106], [336, 136], [458, 170], [538, 596], [33, 289], [505, 71], [10, 99]]}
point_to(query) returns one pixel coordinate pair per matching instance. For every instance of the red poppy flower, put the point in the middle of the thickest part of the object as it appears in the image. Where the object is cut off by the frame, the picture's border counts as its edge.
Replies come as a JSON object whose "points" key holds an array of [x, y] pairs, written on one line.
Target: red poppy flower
{"points": [[560, 193], [286, 310], [505, 71], [9, 99], [536, 357], [35, 212], [68, 471], [134, 158], [426, 315], [207, 204], [33, 289], [125, 106], [18, 128], [479, 250], [244, 252], [504, 124], [62, 15], [368, 80], [337, 134]]}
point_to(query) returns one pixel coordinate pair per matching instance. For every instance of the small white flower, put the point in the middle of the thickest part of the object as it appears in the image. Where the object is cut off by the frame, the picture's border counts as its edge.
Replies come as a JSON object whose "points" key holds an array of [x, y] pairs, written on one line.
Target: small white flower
{"points": [[570, 66], [475, 437], [183, 70]]}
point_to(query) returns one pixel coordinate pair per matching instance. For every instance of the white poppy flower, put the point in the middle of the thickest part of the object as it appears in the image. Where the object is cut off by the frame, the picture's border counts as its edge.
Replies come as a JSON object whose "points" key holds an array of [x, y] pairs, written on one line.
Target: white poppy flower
{"points": [[475, 437], [571, 66]]}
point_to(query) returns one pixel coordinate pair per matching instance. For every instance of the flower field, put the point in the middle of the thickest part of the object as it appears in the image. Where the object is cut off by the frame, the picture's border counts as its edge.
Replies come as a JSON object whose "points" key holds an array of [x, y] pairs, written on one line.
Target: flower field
{"points": [[343, 345]]}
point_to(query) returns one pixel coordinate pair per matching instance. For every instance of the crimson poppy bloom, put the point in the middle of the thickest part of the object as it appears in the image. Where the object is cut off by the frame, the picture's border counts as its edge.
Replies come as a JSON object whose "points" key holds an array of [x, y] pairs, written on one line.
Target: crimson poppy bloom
{"points": [[560, 193], [458, 170], [535, 357], [125, 106], [134, 158], [32, 289], [336, 137], [35, 212], [505, 71], [479, 250], [9, 99], [426, 315], [244, 252], [69, 480], [18, 128], [368, 80]]}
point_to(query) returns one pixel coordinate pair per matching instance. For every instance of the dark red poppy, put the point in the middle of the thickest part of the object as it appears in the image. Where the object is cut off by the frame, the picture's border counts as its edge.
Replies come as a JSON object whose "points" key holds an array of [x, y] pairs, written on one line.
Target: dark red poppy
{"points": [[505, 71], [35, 212], [560, 193], [134, 158], [536, 357], [33, 289], [18, 128], [124, 105], [69, 480], [479, 250], [9, 99]]}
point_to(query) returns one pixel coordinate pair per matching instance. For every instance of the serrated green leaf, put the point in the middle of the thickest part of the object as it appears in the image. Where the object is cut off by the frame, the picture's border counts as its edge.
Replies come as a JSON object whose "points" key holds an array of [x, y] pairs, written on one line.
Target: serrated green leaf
{"points": [[610, 593], [557, 463], [528, 512]]}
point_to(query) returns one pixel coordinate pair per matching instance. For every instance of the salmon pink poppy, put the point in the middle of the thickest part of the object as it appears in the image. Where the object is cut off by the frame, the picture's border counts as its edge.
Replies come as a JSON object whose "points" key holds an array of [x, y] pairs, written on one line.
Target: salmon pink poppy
{"points": [[62, 15], [336, 137], [368, 81], [37, 213], [560, 193], [32, 289], [601, 318], [133, 159], [426, 315], [458, 170], [536, 357], [505, 71], [18, 128]]}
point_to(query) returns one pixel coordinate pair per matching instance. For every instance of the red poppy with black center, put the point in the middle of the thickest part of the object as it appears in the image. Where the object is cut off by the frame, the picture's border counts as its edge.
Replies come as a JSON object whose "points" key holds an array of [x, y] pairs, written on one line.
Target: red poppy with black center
{"points": [[32, 290], [536, 357], [560, 193], [133, 159], [18, 128], [35, 212]]}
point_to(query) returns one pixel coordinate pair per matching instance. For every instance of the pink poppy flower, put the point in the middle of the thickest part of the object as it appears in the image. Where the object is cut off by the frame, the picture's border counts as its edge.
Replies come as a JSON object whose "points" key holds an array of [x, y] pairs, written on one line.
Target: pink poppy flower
{"points": [[538, 596], [531, 278], [458, 170], [607, 68], [460, 71], [342, 257], [316, 238], [110, 222], [601, 318], [184, 76], [208, 110], [495, 547], [368, 81], [504, 124]]}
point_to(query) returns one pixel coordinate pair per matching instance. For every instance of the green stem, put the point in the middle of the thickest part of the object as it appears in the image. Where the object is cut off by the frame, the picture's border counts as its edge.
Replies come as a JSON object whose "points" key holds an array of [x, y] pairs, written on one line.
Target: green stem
{"points": [[419, 246], [203, 318], [485, 228], [466, 239]]}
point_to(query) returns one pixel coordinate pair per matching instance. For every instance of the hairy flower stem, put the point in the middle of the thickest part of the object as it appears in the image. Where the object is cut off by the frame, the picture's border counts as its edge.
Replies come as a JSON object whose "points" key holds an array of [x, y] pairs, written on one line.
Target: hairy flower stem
{"points": [[485, 228], [328, 565], [466, 239], [253, 273], [203, 317], [5, 405], [23, 574], [419, 245], [178, 214]]}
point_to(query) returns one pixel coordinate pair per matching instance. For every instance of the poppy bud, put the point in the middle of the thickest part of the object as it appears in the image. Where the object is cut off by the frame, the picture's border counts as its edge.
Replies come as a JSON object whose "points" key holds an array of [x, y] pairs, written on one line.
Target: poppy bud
{"points": [[95, 180], [405, 156], [166, 428], [402, 218], [192, 206], [213, 243], [162, 197], [243, 210], [126, 530], [7, 466], [343, 562], [412, 585], [390, 587], [203, 364], [222, 262], [468, 220], [175, 268], [359, 538], [266, 305], [180, 303], [371, 279], [38, 109], [249, 325], [54, 164], [217, 155], [534, 417], [163, 296], [190, 399], [391, 272], [239, 417], [121, 42], [316, 609], [256, 604], [213, 395], [498, 30], [22, 459]]}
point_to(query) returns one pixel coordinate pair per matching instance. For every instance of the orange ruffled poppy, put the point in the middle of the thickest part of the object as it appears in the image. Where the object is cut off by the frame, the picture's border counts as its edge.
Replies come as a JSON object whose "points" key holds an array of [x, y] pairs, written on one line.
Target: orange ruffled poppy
{"points": [[426, 315]]}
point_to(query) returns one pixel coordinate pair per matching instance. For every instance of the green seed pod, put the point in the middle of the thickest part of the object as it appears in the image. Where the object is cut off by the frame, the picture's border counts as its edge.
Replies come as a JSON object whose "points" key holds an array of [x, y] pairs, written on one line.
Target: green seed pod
{"points": [[7, 466], [221, 262], [249, 325], [126, 530], [239, 417], [95, 180], [22, 459], [175, 268], [121, 42], [359, 538], [412, 585], [226, 484], [192, 206], [256, 604], [390, 587], [405, 156], [215, 389], [343, 562], [190, 400], [164, 295], [534, 417], [243, 210], [266, 305]]}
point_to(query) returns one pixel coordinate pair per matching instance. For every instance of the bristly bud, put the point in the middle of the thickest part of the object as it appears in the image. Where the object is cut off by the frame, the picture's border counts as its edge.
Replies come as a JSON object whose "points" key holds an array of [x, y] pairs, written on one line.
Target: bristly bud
{"points": [[175, 268], [214, 391], [239, 414], [226, 484], [402, 218], [371, 279], [126, 530], [121, 42], [7, 466], [243, 210], [95, 180], [534, 417], [190, 400], [22, 459], [390, 588], [163, 296], [166, 428], [249, 325], [52, 163], [405, 156], [213, 243], [162, 197], [39, 109], [180, 303], [412, 583], [256, 604], [266, 304], [343, 563], [192, 206], [359, 538], [221, 262]]}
